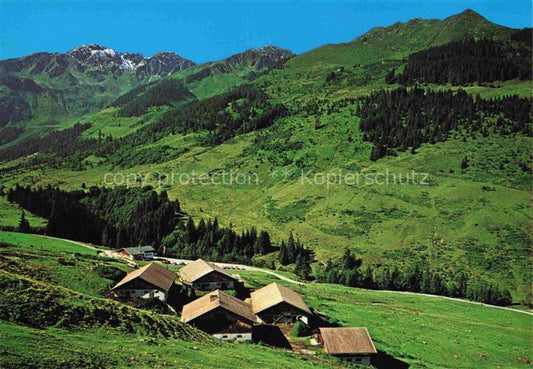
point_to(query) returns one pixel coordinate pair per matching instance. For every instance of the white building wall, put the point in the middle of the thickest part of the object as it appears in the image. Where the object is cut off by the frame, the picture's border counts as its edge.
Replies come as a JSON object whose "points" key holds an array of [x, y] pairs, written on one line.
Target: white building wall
{"points": [[214, 285], [363, 360], [144, 294], [234, 336]]}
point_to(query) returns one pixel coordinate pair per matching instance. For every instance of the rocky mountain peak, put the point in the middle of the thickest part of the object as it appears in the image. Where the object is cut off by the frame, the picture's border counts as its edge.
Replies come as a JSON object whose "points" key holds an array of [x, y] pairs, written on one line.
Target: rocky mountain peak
{"points": [[263, 57]]}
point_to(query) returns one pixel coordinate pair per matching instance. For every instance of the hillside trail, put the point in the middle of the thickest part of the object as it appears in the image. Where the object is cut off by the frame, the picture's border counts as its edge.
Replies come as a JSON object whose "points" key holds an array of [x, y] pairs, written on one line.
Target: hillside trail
{"points": [[286, 279]]}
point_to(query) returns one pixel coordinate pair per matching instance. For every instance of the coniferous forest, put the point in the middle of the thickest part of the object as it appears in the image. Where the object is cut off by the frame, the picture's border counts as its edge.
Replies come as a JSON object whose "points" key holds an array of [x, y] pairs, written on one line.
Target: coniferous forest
{"points": [[165, 92], [405, 118], [123, 217], [468, 61], [416, 275], [62, 143]]}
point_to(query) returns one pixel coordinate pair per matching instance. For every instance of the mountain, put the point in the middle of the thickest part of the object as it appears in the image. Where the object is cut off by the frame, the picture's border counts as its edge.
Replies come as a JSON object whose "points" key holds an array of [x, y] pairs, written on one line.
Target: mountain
{"points": [[78, 81], [219, 76], [205, 80], [401, 39], [261, 58], [276, 115], [54, 86]]}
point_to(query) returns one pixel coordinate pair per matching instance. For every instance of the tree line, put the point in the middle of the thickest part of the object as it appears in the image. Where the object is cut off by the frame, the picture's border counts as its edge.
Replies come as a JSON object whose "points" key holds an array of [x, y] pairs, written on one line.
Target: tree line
{"points": [[210, 241], [164, 92], [241, 110], [293, 252], [63, 143], [117, 217], [221, 117], [124, 217], [415, 276], [405, 118], [465, 62]]}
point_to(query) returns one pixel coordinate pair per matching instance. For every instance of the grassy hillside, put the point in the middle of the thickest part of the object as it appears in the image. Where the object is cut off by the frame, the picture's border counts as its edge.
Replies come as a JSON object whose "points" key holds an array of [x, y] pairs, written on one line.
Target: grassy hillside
{"points": [[400, 39], [469, 335], [10, 215], [110, 349], [476, 217], [55, 300]]}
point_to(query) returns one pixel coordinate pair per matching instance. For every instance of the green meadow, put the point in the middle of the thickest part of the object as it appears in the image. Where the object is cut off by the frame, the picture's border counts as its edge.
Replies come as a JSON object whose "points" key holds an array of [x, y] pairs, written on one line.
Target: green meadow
{"points": [[469, 335]]}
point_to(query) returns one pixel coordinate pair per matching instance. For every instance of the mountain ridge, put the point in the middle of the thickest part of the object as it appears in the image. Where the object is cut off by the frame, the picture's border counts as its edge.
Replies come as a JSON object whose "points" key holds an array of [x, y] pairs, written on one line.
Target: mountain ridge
{"points": [[396, 41], [59, 81]]}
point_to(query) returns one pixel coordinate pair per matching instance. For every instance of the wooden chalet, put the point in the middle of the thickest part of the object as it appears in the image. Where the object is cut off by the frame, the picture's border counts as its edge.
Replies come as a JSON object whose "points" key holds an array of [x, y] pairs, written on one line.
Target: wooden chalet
{"points": [[220, 315], [278, 304], [137, 253], [149, 282], [352, 344], [206, 276]]}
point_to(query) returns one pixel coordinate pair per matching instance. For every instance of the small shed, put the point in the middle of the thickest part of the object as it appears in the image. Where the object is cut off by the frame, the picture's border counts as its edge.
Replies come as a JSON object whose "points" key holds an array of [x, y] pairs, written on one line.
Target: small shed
{"points": [[220, 315], [137, 253], [351, 344], [206, 276], [276, 303], [149, 282]]}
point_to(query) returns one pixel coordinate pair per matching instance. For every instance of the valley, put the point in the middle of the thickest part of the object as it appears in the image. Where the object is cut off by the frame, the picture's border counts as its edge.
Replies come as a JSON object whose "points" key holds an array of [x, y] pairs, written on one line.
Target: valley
{"points": [[386, 179]]}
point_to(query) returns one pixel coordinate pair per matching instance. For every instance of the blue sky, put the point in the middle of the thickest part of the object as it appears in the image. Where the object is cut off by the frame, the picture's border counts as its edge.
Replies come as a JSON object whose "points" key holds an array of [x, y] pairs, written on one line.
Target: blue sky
{"points": [[204, 31]]}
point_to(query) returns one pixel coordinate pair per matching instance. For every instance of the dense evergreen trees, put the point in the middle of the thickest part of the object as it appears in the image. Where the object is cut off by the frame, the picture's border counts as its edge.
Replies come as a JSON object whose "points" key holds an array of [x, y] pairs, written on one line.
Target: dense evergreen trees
{"points": [[469, 61], [524, 35], [210, 241], [124, 217], [24, 225], [117, 217], [293, 252], [405, 118], [62, 143], [164, 92], [8, 134], [239, 111], [414, 276]]}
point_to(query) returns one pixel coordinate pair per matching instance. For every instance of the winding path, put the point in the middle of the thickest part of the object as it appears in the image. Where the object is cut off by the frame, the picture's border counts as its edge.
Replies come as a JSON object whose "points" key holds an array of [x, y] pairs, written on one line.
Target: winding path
{"points": [[286, 279]]}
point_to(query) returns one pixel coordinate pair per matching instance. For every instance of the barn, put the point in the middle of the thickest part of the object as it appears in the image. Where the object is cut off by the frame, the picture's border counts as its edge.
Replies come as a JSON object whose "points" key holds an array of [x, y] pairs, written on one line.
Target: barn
{"points": [[149, 282], [220, 315], [137, 253], [278, 304], [352, 344], [206, 276]]}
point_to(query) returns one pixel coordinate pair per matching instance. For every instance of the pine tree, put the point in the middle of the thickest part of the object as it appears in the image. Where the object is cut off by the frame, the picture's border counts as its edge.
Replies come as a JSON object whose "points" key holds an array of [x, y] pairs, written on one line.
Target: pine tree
{"points": [[283, 254], [464, 163], [24, 225]]}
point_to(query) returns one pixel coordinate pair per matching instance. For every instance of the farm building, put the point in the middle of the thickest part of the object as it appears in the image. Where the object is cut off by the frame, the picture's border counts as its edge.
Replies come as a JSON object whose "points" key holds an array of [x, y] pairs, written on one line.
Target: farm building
{"points": [[352, 344], [149, 282], [206, 276], [137, 253], [278, 304], [221, 315]]}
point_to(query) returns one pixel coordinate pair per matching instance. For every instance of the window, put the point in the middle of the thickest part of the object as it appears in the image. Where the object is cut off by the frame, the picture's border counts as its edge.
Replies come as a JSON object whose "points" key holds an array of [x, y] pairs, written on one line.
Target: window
{"points": [[239, 336], [225, 336]]}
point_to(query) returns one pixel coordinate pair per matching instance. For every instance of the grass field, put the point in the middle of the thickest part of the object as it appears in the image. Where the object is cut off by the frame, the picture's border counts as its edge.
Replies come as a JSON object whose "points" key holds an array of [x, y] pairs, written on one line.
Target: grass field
{"points": [[422, 331], [10, 215], [110, 349], [425, 332], [479, 215], [37, 243]]}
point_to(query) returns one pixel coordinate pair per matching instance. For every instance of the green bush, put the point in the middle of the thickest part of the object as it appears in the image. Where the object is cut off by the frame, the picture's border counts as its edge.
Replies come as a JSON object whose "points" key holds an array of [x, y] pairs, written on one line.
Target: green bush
{"points": [[110, 272], [300, 330]]}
